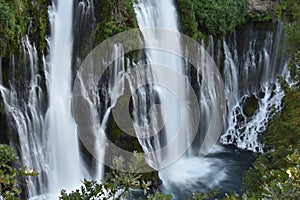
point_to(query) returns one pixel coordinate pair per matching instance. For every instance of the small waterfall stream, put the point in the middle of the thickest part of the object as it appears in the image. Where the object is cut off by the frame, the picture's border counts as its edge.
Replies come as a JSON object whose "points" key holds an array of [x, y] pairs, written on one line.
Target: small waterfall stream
{"points": [[252, 77], [24, 111]]}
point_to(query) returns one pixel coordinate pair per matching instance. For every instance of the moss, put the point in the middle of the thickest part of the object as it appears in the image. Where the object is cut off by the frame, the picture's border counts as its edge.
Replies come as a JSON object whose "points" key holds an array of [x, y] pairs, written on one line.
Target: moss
{"points": [[115, 16], [39, 22], [16, 17], [250, 106], [187, 16], [122, 139], [12, 25]]}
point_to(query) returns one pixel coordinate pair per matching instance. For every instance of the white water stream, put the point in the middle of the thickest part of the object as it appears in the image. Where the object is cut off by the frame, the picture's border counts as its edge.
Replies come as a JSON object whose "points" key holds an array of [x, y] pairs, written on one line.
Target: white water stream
{"points": [[62, 143]]}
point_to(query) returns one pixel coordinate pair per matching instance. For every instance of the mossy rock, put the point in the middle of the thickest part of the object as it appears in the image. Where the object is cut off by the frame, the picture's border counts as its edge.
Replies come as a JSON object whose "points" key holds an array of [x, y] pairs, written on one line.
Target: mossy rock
{"points": [[250, 105]]}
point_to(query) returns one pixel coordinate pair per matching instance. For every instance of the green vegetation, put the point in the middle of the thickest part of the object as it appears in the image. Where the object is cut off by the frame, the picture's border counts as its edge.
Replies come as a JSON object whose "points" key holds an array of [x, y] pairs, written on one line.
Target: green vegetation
{"points": [[276, 173], [211, 17], [117, 184], [12, 21], [290, 11], [114, 17], [260, 17], [38, 15], [11, 175], [15, 18]]}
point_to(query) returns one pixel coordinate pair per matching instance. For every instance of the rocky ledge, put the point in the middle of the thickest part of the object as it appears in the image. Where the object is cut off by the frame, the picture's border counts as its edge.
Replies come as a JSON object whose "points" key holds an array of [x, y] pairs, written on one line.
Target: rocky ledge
{"points": [[261, 6]]}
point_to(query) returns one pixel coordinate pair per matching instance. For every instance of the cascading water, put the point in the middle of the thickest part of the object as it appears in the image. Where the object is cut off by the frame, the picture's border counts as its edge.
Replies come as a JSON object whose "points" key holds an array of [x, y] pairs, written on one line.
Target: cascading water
{"points": [[166, 17], [23, 107], [47, 144], [239, 71], [256, 83], [84, 24], [98, 99], [188, 170], [113, 89], [62, 145]]}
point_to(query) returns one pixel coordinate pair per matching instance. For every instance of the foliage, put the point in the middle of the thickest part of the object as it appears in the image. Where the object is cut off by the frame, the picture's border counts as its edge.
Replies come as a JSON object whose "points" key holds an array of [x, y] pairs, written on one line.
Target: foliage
{"points": [[115, 17], [119, 185], [250, 105], [187, 15], [15, 18], [38, 22], [277, 180], [158, 196], [290, 10], [116, 184], [203, 196], [10, 32], [9, 188], [260, 17], [211, 17]]}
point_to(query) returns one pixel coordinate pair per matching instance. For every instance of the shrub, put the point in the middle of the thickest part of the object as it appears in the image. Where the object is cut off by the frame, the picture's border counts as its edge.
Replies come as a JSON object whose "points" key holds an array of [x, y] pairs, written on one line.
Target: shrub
{"points": [[211, 17], [9, 187]]}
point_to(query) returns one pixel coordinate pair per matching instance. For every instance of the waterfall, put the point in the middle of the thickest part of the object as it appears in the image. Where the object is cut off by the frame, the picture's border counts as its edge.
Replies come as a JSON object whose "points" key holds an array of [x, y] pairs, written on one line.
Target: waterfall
{"points": [[48, 142], [62, 145], [256, 83], [23, 108], [247, 74], [111, 93], [143, 98], [164, 13], [94, 99], [188, 169], [165, 16]]}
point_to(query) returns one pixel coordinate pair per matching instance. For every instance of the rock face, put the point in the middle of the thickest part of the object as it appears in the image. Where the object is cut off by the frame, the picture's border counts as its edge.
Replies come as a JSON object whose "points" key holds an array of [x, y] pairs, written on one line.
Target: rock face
{"points": [[261, 6]]}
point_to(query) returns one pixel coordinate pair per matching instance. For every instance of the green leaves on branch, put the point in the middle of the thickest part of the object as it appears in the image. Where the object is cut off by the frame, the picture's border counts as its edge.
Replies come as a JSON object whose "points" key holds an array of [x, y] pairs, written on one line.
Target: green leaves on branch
{"points": [[15, 18], [211, 17], [9, 174], [115, 17], [10, 29], [117, 184]]}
